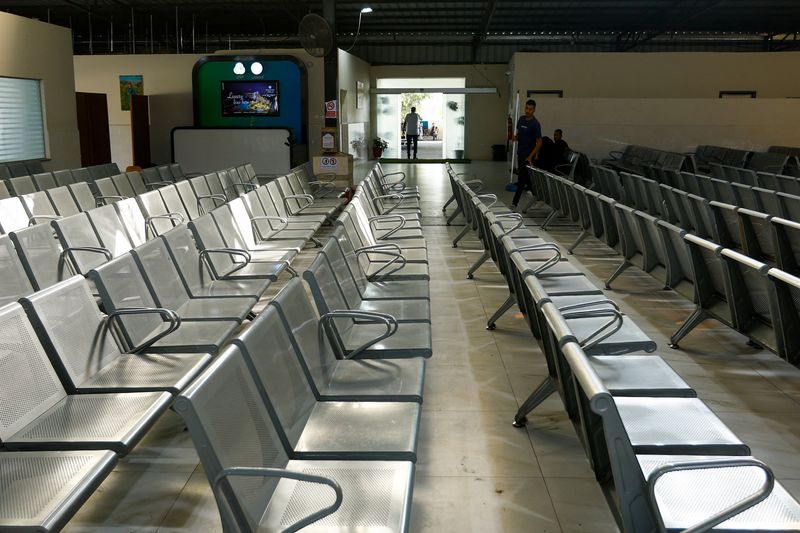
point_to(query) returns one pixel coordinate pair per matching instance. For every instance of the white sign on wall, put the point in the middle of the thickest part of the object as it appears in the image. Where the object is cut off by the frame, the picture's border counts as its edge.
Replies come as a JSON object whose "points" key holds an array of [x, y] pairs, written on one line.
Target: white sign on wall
{"points": [[328, 163]]}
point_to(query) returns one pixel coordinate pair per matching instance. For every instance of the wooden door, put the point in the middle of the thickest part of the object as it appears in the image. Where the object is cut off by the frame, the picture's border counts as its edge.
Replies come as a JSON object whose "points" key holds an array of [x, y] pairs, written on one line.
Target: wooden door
{"points": [[140, 130], [93, 128]]}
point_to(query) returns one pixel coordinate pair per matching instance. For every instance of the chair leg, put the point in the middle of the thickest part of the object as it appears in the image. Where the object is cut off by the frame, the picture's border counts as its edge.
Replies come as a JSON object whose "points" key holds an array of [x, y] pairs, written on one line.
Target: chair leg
{"points": [[461, 235], [620, 269], [581, 237], [549, 218], [448, 202], [317, 243], [477, 264], [508, 304], [452, 217], [530, 200], [540, 394], [697, 316]]}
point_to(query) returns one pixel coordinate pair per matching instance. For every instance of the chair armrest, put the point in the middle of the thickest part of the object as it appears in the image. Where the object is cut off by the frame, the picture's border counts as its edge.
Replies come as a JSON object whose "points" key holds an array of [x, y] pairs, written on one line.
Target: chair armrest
{"points": [[246, 187], [34, 218], [168, 315], [307, 197], [268, 218], [375, 247], [207, 252], [218, 199], [153, 185], [604, 331], [389, 321], [492, 197], [400, 218], [593, 303], [62, 257], [101, 200], [746, 503], [381, 273], [281, 473]]}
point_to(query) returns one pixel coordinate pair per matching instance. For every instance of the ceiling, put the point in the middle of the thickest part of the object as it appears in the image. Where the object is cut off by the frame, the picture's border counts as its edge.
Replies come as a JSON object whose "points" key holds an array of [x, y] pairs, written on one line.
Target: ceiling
{"points": [[464, 31]]}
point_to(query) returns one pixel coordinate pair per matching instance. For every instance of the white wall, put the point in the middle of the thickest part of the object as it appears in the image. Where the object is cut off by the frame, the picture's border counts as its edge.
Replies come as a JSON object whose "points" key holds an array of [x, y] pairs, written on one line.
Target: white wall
{"points": [[352, 118], [664, 100], [168, 81], [33, 49]]}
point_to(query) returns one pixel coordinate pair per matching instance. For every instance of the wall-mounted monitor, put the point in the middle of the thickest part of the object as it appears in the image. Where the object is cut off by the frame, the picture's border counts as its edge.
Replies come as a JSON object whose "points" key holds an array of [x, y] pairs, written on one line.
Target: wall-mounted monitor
{"points": [[250, 98]]}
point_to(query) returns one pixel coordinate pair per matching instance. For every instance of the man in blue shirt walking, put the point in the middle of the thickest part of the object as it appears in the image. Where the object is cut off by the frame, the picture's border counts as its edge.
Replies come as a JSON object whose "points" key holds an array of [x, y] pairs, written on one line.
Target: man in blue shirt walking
{"points": [[529, 142]]}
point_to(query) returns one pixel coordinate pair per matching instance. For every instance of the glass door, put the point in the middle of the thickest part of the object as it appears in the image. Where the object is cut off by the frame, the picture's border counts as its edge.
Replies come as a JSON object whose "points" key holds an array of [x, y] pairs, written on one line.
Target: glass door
{"points": [[389, 122], [454, 122]]}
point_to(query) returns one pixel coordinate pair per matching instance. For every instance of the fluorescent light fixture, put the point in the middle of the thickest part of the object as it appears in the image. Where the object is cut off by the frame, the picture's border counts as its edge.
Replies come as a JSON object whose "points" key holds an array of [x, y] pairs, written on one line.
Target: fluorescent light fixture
{"points": [[366, 10], [239, 69], [256, 68]]}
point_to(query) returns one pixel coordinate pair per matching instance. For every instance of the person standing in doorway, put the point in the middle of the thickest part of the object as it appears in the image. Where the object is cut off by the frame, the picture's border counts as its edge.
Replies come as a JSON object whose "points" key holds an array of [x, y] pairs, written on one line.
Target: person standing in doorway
{"points": [[529, 141], [411, 125]]}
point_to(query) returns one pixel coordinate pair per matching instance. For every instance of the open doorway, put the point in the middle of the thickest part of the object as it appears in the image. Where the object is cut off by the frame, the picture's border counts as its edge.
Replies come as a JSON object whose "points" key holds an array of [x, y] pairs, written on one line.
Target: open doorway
{"points": [[442, 113]]}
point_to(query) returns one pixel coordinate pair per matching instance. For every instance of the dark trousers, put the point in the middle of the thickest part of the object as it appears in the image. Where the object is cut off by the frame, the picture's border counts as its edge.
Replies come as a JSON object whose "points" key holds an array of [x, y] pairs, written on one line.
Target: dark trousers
{"points": [[523, 179], [411, 139]]}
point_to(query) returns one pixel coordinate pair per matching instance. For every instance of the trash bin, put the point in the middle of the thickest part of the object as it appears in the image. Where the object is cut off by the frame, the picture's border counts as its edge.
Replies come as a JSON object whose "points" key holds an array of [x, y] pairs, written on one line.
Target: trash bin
{"points": [[459, 154], [498, 152]]}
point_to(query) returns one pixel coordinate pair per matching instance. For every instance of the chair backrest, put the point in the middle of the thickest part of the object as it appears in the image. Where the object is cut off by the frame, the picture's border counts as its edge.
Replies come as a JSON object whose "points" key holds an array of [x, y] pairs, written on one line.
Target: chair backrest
{"points": [[151, 175], [757, 235], [28, 384], [790, 205], [98, 172], [34, 166], [301, 321], [173, 202], [215, 185], [341, 270], [725, 229], [123, 185], [44, 181], [707, 270], [40, 254], [227, 182], [133, 220], [186, 258], [72, 330], [240, 218], [280, 379], [177, 171], [13, 215], [165, 174], [188, 197], [14, 282], [202, 193], [271, 200], [77, 232], [786, 236], [63, 201], [121, 285], [768, 162], [153, 208], [22, 185], [63, 177], [39, 207], [107, 188], [231, 427], [83, 195], [18, 169], [80, 175], [137, 182], [749, 287], [109, 228], [207, 235], [160, 274], [4, 192]]}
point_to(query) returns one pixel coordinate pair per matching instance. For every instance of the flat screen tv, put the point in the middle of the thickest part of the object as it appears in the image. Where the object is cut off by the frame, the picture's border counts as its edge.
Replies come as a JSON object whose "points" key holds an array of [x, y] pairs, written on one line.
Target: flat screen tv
{"points": [[250, 98]]}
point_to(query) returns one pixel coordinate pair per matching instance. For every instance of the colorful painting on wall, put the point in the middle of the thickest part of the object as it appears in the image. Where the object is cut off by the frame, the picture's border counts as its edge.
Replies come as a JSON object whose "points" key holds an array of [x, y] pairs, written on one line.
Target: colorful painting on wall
{"points": [[128, 86]]}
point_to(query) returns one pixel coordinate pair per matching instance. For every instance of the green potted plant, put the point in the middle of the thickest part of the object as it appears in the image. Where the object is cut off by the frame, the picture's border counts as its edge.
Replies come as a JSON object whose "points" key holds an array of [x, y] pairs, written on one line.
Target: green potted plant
{"points": [[378, 146]]}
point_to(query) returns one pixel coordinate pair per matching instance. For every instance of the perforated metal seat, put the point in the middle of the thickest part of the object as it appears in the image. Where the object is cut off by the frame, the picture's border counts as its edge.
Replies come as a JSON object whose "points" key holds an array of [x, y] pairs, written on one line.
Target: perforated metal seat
{"points": [[233, 263], [322, 430], [640, 375], [44, 417], [121, 286], [133, 220], [22, 185], [380, 290], [160, 274], [343, 379], [63, 177], [110, 230], [158, 219], [232, 430], [197, 278], [43, 490], [80, 243], [85, 354], [63, 202], [83, 195], [14, 282], [13, 215]]}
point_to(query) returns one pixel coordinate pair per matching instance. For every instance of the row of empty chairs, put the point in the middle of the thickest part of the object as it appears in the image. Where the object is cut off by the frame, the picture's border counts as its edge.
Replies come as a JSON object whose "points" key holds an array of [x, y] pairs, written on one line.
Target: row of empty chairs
{"points": [[662, 456]]}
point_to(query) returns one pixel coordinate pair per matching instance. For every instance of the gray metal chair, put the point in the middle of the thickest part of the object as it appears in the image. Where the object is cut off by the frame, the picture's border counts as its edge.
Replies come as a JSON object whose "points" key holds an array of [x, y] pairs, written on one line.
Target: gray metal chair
{"points": [[133, 220], [206, 201], [80, 243], [301, 204], [330, 271], [145, 327], [137, 182], [123, 185], [173, 201], [197, 278], [85, 354], [63, 201], [413, 250], [63, 177], [257, 486], [267, 231], [108, 191], [110, 230], [14, 282], [21, 185], [187, 196], [83, 195], [43, 490], [44, 181], [312, 429], [41, 256], [260, 251], [39, 208], [158, 218], [230, 263], [46, 417], [13, 215], [160, 274], [343, 379]]}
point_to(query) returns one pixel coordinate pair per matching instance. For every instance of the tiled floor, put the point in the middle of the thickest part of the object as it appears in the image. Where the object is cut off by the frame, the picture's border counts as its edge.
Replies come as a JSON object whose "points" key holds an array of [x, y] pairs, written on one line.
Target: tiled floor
{"points": [[476, 473]]}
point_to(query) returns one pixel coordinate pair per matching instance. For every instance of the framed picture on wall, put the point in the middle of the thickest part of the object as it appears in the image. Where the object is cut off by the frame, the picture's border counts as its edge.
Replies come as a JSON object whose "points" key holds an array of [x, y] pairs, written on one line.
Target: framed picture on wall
{"points": [[361, 94], [128, 86]]}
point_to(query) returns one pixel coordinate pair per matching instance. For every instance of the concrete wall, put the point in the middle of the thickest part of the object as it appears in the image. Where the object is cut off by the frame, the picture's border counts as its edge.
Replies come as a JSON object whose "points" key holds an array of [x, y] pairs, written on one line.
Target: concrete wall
{"points": [[664, 100], [32, 49], [168, 82], [485, 113]]}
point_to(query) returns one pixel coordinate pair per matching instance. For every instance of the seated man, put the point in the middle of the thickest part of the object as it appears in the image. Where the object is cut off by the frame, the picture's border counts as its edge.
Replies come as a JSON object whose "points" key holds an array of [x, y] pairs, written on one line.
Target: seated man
{"points": [[561, 147]]}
